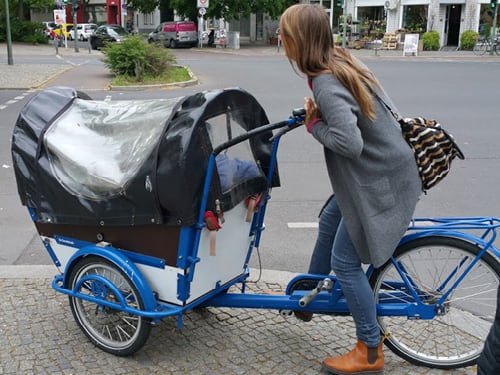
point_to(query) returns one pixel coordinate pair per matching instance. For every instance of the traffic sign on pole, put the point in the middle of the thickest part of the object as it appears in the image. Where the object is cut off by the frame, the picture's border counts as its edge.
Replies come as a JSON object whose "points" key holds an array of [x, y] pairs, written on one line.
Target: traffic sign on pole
{"points": [[202, 4]]}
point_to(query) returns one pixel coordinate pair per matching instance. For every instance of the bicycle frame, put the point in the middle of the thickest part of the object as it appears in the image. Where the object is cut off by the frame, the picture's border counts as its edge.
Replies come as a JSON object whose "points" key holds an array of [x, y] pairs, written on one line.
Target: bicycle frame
{"points": [[334, 302]]}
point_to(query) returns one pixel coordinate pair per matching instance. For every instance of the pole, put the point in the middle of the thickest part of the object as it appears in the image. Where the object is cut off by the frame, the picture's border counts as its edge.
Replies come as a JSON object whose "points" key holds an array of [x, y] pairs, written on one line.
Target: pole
{"points": [[201, 30], [75, 25], [494, 33], [10, 60], [344, 27]]}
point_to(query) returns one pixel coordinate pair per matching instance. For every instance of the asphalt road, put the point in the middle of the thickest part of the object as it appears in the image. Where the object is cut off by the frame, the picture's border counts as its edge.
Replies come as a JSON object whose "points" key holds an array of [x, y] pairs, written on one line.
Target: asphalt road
{"points": [[462, 95]]}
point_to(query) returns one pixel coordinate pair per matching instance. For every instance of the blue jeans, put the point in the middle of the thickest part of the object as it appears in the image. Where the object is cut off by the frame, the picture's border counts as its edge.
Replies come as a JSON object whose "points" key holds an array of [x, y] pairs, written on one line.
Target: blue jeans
{"points": [[335, 251]]}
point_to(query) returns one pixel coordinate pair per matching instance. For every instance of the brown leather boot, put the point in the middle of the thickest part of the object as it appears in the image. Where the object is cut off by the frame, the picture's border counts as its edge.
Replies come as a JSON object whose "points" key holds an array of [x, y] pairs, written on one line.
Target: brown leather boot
{"points": [[359, 361]]}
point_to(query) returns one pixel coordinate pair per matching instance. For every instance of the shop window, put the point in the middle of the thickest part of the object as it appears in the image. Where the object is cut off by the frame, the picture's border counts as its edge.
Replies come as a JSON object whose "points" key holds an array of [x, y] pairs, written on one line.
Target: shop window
{"points": [[372, 23], [415, 18]]}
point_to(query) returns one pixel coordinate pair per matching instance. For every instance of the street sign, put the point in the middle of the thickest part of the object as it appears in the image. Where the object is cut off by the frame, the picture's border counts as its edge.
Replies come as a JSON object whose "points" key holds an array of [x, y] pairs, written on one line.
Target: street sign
{"points": [[202, 4], [203, 11], [59, 16]]}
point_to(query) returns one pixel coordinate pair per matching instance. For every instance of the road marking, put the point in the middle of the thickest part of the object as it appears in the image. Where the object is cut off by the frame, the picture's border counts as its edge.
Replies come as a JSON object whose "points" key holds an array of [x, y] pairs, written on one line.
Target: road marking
{"points": [[302, 225], [13, 101], [107, 98]]}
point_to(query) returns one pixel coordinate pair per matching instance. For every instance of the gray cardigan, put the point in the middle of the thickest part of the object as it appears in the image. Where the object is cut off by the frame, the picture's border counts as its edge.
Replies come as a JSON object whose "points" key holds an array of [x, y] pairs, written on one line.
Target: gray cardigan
{"points": [[372, 169]]}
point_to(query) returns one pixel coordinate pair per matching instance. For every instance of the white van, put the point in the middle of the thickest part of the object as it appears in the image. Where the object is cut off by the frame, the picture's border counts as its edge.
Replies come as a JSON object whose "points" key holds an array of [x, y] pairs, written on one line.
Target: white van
{"points": [[83, 31], [175, 34]]}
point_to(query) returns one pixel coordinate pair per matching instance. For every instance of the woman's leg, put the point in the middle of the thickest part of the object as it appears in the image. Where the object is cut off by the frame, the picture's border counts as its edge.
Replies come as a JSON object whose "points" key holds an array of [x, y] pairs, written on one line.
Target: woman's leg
{"points": [[356, 288], [329, 219]]}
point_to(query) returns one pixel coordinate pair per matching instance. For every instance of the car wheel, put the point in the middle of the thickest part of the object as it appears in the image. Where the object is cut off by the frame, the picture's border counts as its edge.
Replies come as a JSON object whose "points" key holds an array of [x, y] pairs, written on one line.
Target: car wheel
{"points": [[172, 44]]}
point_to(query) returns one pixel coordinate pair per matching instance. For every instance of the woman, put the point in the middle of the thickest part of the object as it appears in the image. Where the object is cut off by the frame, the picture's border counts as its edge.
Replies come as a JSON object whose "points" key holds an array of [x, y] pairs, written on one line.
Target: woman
{"points": [[371, 168], [489, 360]]}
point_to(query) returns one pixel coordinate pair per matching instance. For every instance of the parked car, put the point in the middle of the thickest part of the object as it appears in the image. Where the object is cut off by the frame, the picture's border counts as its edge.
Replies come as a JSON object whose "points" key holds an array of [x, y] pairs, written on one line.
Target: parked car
{"points": [[63, 30], [107, 33], [83, 31], [48, 27], [175, 34]]}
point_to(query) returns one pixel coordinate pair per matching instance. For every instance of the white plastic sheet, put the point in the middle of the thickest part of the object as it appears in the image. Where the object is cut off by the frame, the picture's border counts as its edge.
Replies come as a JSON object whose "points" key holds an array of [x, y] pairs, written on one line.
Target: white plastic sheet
{"points": [[96, 147]]}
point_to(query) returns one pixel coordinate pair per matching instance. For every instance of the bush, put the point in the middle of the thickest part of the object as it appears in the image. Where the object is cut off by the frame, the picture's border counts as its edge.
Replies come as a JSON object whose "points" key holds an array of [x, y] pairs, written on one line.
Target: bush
{"points": [[22, 31], [136, 58], [431, 40], [468, 39]]}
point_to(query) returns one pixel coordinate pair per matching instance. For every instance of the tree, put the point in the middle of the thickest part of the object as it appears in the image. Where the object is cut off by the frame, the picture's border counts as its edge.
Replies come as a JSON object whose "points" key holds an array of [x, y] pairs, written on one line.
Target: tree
{"points": [[232, 9], [20, 8], [144, 6]]}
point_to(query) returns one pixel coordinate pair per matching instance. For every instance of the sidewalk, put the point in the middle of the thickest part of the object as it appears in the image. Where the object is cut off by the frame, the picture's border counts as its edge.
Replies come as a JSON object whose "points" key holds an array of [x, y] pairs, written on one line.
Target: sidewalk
{"points": [[38, 335], [85, 76]]}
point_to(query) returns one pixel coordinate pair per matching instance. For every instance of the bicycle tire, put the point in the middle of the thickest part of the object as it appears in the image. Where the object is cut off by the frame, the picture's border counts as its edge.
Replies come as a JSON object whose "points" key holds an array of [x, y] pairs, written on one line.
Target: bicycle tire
{"points": [[496, 48], [113, 331], [480, 48], [455, 338]]}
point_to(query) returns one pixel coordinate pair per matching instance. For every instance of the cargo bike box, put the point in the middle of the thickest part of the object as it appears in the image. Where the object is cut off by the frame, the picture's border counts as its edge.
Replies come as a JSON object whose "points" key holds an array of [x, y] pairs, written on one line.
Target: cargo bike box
{"points": [[123, 183]]}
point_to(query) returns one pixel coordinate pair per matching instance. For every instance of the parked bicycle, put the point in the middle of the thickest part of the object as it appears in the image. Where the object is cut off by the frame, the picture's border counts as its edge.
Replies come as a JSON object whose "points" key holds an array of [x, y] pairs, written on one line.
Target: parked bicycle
{"points": [[485, 44]]}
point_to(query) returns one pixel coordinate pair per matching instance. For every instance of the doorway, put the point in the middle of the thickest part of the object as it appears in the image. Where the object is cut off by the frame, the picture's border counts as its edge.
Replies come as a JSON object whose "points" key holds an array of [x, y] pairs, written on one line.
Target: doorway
{"points": [[452, 27]]}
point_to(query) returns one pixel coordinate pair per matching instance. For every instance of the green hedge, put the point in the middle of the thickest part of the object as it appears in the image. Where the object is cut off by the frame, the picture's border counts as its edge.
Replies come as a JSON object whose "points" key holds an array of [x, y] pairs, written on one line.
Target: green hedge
{"points": [[136, 58], [431, 40], [22, 31], [468, 39]]}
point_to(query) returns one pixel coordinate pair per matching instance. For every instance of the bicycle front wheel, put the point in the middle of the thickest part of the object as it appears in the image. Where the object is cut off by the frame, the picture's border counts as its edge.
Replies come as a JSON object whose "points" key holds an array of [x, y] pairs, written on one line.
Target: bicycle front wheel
{"points": [[480, 48], [455, 337]]}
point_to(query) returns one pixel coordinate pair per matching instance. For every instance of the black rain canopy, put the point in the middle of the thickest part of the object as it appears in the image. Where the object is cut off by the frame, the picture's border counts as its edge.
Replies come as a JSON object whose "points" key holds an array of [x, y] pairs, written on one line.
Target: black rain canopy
{"points": [[132, 162]]}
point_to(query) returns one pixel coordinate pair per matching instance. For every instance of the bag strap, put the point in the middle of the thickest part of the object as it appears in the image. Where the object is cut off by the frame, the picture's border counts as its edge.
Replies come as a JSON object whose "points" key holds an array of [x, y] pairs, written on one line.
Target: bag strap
{"points": [[394, 114]]}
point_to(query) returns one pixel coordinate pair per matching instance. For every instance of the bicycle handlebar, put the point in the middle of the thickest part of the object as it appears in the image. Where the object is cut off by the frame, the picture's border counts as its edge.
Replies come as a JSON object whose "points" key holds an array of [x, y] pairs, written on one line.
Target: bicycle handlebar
{"points": [[293, 122]]}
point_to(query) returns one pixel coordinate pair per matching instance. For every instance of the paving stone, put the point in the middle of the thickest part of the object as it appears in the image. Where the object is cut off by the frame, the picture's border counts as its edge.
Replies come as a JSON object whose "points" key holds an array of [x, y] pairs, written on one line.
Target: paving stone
{"points": [[38, 335]]}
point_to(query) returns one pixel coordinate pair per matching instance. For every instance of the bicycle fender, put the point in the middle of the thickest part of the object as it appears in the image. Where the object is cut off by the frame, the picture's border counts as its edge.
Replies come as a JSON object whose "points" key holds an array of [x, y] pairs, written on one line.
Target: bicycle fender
{"points": [[450, 233], [122, 262]]}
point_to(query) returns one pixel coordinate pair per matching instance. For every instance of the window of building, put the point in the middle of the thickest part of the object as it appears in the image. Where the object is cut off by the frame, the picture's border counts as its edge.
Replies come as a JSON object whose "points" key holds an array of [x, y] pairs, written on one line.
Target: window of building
{"points": [[372, 22], [485, 20], [149, 19], [415, 18]]}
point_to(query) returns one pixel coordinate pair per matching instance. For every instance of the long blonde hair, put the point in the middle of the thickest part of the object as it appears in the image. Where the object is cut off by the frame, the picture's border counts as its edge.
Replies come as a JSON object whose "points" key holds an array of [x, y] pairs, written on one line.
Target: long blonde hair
{"points": [[308, 42]]}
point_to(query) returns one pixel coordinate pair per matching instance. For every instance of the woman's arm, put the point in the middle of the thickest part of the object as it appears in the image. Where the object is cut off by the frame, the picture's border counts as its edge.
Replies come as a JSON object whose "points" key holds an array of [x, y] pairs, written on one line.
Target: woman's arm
{"points": [[338, 130]]}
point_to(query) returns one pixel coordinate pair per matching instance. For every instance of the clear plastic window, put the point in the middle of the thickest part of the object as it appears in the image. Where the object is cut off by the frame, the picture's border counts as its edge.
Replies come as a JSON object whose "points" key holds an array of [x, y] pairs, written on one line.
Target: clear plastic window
{"points": [[236, 164], [96, 147]]}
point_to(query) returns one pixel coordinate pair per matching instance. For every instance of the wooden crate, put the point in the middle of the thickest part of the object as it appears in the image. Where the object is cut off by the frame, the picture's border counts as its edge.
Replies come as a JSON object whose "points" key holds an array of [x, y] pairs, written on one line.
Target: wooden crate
{"points": [[389, 41]]}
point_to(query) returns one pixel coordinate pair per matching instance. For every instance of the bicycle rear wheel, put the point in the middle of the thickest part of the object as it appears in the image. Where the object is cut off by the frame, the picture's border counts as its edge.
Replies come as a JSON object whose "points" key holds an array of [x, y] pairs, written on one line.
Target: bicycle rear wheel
{"points": [[480, 47], [455, 337]]}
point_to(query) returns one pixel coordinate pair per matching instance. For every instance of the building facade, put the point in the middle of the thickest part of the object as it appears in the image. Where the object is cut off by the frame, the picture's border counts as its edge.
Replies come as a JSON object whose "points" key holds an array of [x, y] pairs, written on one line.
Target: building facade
{"points": [[368, 19]]}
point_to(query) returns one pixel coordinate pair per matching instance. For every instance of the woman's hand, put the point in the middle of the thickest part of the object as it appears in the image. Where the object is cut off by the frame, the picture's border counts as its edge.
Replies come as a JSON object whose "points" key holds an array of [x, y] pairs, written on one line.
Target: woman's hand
{"points": [[312, 113]]}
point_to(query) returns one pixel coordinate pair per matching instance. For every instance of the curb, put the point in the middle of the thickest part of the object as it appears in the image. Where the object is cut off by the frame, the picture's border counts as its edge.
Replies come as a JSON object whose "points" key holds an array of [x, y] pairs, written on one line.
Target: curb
{"points": [[49, 271], [191, 82]]}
